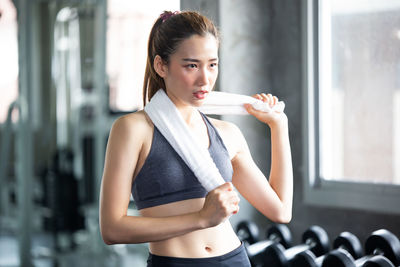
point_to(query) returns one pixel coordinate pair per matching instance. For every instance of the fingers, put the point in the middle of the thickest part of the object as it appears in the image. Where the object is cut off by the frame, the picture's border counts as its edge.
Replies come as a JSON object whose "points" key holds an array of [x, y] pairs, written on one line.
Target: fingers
{"points": [[226, 186], [272, 119], [255, 112], [232, 201], [234, 204], [237, 210], [227, 192], [258, 96], [251, 110], [268, 98], [228, 198], [219, 204]]}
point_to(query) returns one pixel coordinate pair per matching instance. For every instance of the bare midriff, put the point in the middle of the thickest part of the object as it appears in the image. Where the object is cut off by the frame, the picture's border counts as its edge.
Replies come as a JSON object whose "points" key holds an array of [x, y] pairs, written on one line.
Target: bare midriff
{"points": [[209, 242]]}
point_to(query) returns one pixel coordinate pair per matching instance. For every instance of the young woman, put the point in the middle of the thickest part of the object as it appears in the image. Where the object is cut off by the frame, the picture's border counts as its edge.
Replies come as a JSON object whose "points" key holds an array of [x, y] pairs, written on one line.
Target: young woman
{"points": [[184, 224]]}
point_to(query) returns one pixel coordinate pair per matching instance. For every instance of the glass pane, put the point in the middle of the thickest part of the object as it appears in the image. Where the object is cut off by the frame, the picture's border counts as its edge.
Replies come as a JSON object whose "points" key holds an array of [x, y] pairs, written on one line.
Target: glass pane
{"points": [[128, 27], [359, 96], [8, 56]]}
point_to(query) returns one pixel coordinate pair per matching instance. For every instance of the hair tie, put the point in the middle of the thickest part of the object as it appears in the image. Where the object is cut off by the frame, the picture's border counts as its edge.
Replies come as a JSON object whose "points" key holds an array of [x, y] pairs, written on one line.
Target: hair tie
{"points": [[167, 14]]}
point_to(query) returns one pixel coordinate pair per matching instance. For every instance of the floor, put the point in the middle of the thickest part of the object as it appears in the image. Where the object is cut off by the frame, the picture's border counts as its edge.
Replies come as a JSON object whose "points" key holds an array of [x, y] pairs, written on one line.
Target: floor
{"points": [[83, 256]]}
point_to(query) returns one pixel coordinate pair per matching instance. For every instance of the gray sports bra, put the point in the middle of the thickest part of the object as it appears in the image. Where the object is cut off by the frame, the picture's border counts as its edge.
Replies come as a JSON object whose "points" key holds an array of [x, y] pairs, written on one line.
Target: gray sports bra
{"points": [[165, 177]]}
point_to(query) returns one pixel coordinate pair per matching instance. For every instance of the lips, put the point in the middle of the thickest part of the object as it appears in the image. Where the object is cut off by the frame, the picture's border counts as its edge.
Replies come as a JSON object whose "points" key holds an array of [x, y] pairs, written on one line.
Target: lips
{"points": [[200, 94]]}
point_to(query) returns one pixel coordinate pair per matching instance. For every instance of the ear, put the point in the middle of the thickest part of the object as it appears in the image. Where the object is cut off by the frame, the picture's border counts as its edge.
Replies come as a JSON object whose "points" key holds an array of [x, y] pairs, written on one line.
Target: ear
{"points": [[160, 67]]}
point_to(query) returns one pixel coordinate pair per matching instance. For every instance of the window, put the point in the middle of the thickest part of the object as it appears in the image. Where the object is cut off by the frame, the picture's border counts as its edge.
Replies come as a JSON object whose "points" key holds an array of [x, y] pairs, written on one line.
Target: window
{"points": [[128, 27], [352, 103], [9, 57]]}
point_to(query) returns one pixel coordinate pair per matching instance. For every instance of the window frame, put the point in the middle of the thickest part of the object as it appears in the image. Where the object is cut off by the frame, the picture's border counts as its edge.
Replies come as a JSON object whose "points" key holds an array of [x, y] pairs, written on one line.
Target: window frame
{"points": [[380, 198]]}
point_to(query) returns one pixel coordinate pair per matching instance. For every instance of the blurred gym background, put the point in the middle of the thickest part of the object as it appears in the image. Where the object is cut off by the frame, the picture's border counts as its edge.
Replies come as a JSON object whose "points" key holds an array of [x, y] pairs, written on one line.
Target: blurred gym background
{"points": [[69, 68]]}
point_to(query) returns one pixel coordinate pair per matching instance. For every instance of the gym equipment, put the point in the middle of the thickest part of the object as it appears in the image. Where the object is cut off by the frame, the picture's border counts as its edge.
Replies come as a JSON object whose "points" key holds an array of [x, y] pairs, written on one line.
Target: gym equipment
{"points": [[314, 238], [5, 143], [381, 242], [61, 198], [247, 232], [346, 241], [277, 234], [378, 261], [374, 261]]}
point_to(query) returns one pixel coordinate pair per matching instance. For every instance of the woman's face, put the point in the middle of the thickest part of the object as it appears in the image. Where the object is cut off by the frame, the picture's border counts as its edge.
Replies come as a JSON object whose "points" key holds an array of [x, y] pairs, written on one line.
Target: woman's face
{"points": [[192, 70]]}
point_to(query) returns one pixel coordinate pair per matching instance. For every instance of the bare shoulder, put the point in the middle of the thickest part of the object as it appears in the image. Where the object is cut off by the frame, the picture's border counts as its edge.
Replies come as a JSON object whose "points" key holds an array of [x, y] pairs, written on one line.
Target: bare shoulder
{"points": [[231, 135], [226, 128], [132, 125]]}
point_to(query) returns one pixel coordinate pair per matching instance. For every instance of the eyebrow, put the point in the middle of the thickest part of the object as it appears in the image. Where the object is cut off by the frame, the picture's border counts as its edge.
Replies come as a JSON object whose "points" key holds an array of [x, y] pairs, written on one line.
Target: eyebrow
{"points": [[196, 60]]}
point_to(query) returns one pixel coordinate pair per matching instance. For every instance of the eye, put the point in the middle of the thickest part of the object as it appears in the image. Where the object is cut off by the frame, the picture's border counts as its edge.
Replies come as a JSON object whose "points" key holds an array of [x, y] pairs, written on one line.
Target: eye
{"points": [[213, 65], [191, 66]]}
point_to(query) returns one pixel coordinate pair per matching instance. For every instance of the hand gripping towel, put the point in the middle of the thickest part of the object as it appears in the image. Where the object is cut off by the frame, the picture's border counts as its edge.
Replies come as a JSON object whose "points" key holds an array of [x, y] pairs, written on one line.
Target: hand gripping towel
{"points": [[221, 103]]}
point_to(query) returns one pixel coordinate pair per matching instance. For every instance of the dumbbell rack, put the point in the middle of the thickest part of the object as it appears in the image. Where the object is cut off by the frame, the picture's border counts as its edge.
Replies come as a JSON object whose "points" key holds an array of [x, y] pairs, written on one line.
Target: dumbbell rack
{"points": [[382, 248]]}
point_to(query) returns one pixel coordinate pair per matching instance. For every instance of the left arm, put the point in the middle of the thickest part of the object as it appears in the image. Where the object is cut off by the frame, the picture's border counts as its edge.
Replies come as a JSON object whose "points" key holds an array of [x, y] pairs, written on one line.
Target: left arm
{"points": [[272, 198]]}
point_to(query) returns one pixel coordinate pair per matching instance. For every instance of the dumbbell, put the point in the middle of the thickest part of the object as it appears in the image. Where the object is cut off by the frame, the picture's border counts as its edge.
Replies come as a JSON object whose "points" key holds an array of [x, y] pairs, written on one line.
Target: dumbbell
{"points": [[247, 232], [381, 242], [277, 234], [314, 238], [346, 241], [374, 261], [378, 261]]}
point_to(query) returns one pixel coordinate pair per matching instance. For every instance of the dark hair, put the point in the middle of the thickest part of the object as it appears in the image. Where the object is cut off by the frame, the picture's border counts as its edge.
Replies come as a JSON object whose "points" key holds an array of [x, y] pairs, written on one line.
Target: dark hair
{"points": [[169, 30]]}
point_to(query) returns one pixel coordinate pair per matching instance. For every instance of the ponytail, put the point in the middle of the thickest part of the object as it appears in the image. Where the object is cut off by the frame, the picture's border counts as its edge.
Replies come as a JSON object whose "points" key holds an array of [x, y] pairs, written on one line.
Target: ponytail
{"points": [[152, 81]]}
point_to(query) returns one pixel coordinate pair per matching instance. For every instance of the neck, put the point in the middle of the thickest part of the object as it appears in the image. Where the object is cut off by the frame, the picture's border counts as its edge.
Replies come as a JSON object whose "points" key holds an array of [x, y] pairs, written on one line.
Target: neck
{"points": [[188, 113]]}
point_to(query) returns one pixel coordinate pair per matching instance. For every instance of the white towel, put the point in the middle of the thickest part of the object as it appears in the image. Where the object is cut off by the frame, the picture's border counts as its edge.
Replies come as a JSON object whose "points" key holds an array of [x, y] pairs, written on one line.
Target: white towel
{"points": [[168, 120], [222, 103]]}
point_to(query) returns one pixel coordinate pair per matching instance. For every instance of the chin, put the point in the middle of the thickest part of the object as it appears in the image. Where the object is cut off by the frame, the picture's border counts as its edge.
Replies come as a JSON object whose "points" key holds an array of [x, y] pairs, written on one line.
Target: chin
{"points": [[197, 102]]}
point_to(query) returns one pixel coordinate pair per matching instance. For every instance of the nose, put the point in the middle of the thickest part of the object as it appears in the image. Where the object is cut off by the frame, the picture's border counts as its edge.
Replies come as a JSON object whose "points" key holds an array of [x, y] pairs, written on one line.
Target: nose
{"points": [[203, 77]]}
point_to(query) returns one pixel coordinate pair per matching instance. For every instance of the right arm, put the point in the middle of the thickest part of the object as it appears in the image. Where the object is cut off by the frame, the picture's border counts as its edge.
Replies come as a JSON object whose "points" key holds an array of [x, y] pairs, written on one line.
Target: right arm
{"points": [[123, 149]]}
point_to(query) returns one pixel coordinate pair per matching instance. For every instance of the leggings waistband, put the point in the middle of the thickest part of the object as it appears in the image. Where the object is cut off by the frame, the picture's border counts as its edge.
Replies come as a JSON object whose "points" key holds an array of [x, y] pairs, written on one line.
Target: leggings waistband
{"points": [[238, 255]]}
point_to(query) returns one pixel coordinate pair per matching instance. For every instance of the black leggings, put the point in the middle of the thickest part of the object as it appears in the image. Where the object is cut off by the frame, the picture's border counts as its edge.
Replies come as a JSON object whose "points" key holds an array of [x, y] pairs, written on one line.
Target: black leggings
{"points": [[236, 258]]}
